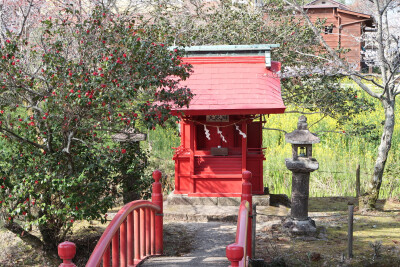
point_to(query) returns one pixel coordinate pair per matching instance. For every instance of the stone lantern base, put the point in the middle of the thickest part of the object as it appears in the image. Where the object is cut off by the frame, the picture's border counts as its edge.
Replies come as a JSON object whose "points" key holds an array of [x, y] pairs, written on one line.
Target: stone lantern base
{"points": [[296, 227]]}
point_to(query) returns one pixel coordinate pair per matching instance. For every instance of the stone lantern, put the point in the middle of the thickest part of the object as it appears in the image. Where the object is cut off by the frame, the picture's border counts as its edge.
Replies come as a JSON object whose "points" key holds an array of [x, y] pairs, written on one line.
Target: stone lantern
{"points": [[301, 165]]}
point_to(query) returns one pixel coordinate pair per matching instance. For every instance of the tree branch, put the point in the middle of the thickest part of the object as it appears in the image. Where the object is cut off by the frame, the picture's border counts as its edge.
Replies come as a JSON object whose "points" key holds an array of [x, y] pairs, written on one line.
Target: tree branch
{"points": [[25, 18], [274, 129], [22, 139], [304, 113], [34, 241], [364, 77]]}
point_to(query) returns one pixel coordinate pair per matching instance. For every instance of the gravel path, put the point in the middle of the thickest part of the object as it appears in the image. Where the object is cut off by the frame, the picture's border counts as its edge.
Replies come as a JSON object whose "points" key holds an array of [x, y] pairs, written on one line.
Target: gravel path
{"points": [[209, 242]]}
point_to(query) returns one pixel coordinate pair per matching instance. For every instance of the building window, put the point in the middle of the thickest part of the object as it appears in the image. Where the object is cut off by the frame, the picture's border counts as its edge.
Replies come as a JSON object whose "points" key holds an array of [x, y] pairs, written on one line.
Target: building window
{"points": [[323, 2], [328, 29]]}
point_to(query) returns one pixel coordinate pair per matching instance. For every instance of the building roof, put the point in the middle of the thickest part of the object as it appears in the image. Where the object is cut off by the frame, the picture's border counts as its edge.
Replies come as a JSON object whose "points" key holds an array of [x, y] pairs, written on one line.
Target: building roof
{"points": [[231, 85], [329, 3], [333, 4]]}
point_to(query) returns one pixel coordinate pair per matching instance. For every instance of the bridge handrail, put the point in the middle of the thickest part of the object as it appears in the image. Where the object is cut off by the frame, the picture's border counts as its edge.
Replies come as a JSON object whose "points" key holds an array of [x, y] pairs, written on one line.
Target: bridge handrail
{"points": [[140, 227], [239, 252], [114, 226], [236, 252]]}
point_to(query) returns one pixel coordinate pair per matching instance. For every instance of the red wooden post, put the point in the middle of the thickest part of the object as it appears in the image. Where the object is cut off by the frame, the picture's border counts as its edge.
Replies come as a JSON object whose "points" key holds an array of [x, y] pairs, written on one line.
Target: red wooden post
{"points": [[136, 232], [142, 220], [130, 238], [247, 195], [191, 160], [115, 250], [148, 240], [152, 232], [123, 243], [66, 252], [157, 199], [106, 257], [235, 254], [244, 147]]}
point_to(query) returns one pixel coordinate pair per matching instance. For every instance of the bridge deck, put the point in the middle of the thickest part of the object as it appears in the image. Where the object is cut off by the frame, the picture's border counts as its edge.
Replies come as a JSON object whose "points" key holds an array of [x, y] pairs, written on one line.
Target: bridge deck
{"points": [[210, 241]]}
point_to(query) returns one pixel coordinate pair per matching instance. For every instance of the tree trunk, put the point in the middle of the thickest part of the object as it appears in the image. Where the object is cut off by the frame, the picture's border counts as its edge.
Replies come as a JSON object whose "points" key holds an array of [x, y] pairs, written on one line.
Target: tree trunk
{"points": [[368, 201], [32, 240]]}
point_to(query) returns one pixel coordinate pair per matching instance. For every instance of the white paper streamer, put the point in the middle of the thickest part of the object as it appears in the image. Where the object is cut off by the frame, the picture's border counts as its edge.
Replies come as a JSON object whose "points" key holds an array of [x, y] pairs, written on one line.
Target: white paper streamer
{"points": [[207, 132], [240, 132], [220, 134]]}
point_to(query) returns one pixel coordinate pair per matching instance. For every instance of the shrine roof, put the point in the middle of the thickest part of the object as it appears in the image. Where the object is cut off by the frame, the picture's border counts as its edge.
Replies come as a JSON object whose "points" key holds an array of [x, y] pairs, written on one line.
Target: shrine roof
{"points": [[232, 85]]}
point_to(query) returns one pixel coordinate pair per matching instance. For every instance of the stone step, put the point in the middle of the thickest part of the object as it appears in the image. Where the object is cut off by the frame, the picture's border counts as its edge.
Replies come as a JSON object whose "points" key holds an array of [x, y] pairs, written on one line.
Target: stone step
{"points": [[181, 199], [208, 213]]}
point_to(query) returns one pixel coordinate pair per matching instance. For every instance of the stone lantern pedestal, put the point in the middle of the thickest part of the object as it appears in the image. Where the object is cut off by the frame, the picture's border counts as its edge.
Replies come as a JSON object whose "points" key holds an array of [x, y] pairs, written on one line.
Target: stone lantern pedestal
{"points": [[301, 165]]}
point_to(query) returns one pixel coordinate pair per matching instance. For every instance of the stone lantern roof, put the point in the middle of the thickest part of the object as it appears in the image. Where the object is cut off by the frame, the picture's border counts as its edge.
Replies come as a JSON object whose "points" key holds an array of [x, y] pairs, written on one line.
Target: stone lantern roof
{"points": [[128, 136], [301, 136]]}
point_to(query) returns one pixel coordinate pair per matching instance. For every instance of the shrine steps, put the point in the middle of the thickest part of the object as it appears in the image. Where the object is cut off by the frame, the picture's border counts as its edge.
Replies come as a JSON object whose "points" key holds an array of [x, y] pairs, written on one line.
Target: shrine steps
{"points": [[183, 199], [180, 207]]}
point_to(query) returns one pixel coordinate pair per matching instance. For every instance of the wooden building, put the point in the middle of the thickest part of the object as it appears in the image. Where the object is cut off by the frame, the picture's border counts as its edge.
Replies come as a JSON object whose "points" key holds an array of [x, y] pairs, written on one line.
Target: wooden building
{"points": [[221, 130], [343, 27]]}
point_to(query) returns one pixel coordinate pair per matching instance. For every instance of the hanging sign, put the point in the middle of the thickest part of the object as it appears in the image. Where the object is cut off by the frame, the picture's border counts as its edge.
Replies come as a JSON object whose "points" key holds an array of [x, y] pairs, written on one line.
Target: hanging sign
{"points": [[217, 118]]}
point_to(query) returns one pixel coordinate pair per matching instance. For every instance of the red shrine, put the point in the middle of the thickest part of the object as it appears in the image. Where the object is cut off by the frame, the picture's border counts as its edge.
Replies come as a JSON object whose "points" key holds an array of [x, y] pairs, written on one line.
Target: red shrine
{"points": [[221, 131]]}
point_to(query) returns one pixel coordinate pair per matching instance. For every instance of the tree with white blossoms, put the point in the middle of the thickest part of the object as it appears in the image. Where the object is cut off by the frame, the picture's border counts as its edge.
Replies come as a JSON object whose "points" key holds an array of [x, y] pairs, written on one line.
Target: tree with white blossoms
{"points": [[383, 85]]}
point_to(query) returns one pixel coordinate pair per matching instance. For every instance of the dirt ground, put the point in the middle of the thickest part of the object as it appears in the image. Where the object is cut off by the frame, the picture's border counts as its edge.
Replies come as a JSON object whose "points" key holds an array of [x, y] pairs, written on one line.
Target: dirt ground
{"points": [[376, 239]]}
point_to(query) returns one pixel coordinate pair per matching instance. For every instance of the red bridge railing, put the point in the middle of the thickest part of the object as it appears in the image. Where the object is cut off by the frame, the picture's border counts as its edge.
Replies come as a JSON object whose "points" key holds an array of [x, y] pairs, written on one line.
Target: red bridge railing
{"points": [[239, 252], [135, 233]]}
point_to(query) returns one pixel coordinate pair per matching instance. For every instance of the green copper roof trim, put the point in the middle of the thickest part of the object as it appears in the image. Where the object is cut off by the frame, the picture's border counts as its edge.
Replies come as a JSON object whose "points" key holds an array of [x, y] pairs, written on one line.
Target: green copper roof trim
{"points": [[227, 48], [230, 50]]}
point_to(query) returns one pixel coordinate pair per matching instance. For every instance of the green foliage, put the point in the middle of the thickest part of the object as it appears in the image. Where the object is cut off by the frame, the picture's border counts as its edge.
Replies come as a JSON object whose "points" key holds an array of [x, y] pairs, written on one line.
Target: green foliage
{"points": [[225, 22], [62, 97]]}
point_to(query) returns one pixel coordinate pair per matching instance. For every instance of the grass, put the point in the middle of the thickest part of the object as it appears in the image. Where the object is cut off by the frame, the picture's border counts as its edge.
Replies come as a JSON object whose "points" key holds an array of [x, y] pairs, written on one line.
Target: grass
{"points": [[338, 155]]}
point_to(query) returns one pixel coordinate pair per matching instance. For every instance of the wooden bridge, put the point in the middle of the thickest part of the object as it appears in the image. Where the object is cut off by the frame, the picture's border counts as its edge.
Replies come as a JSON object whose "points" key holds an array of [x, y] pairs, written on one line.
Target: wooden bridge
{"points": [[136, 234]]}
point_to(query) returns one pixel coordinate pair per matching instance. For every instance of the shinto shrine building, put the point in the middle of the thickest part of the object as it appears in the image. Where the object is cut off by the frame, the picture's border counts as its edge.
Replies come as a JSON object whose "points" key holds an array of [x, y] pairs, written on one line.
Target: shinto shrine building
{"points": [[221, 130]]}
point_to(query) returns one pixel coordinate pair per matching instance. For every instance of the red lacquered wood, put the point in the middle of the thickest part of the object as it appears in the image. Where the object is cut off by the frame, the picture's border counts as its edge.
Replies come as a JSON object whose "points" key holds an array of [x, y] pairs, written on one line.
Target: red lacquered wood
{"points": [[136, 231], [127, 232], [244, 147], [247, 196], [235, 254], [157, 199], [203, 174], [152, 233], [241, 236], [66, 252], [113, 227], [115, 250], [142, 233], [130, 238], [106, 257], [192, 182], [148, 243], [123, 244]]}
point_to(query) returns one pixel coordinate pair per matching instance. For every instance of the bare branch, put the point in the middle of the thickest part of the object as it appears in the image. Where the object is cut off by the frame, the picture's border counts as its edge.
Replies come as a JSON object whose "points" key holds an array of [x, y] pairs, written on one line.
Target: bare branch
{"points": [[323, 117], [4, 130], [25, 17], [274, 129], [364, 77], [304, 113], [364, 87], [67, 148]]}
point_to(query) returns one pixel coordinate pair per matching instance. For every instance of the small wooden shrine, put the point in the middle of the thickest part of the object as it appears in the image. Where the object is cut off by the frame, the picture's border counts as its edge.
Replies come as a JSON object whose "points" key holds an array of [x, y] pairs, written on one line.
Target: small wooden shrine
{"points": [[221, 130]]}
